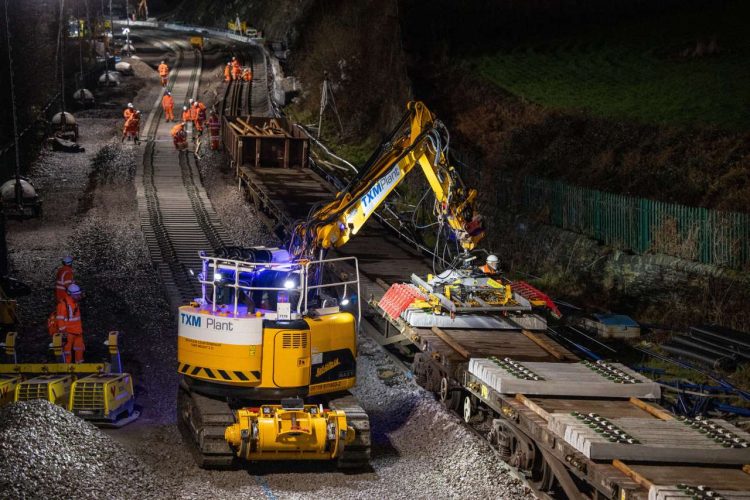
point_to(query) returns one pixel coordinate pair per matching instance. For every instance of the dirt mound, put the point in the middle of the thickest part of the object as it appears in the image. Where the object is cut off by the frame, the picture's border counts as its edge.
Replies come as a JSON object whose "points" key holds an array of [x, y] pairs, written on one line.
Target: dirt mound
{"points": [[47, 452]]}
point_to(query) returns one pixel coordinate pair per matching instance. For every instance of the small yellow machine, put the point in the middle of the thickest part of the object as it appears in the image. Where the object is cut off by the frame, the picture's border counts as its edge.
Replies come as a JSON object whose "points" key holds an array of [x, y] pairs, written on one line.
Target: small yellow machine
{"points": [[97, 392], [196, 41]]}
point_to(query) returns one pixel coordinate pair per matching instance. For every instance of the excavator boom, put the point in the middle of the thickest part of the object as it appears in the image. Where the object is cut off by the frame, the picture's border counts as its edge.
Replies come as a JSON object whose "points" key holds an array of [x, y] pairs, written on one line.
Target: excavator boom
{"points": [[418, 140]]}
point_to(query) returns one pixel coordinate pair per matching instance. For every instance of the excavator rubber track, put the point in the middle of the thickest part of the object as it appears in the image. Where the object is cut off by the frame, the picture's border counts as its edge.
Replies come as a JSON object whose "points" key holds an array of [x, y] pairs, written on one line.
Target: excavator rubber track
{"points": [[356, 454], [202, 422]]}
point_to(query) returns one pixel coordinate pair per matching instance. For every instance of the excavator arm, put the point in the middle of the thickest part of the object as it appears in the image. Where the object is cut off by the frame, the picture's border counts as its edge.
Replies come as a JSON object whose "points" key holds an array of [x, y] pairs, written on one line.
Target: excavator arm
{"points": [[419, 140]]}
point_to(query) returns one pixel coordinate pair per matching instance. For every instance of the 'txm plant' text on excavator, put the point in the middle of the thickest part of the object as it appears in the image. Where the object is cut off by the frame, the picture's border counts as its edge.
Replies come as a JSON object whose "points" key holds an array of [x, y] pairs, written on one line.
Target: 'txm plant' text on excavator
{"points": [[268, 353]]}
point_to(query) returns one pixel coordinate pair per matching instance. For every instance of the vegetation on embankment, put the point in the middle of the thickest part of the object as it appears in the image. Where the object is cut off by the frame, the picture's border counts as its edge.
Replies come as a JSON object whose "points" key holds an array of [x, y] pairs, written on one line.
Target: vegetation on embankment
{"points": [[618, 104], [686, 67]]}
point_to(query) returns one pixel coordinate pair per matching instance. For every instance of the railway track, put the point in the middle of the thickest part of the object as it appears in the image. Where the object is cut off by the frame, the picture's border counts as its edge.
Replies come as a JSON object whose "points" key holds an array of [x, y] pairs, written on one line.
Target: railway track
{"points": [[176, 215]]}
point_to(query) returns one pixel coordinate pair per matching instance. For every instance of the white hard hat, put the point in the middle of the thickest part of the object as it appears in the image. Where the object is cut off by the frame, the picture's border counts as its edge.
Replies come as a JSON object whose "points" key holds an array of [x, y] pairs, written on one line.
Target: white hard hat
{"points": [[68, 260], [492, 259], [184, 107], [73, 289], [130, 104]]}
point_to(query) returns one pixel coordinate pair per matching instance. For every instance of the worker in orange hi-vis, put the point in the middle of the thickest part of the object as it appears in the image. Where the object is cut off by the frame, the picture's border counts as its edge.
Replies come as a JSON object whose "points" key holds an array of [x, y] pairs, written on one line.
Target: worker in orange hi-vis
{"points": [[214, 130], [199, 116], [64, 278], [179, 136], [236, 72], [492, 265], [167, 104], [228, 72], [132, 127], [164, 73], [69, 324], [247, 75], [186, 114], [129, 111]]}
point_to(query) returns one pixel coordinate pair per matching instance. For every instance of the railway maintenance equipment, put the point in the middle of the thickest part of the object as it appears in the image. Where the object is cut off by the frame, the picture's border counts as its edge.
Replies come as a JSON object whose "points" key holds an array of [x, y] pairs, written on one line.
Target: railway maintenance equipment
{"points": [[268, 352], [98, 392]]}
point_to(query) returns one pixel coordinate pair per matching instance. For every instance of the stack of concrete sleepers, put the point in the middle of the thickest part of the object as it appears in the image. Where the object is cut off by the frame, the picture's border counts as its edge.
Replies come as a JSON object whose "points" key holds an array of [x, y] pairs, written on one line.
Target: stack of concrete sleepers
{"points": [[653, 440], [562, 379]]}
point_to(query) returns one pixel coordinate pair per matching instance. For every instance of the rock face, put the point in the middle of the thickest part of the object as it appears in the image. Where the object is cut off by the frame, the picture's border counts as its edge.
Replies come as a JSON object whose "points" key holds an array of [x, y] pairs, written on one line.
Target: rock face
{"points": [[47, 452]]}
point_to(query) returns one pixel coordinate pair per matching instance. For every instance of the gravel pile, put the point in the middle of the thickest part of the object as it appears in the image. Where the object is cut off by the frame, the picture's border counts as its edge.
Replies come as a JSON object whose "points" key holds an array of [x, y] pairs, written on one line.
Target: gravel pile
{"points": [[47, 452]]}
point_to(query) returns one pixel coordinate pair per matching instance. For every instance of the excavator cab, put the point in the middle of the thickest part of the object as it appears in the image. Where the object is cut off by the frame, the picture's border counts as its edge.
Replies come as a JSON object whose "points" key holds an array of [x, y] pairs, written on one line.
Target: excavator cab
{"points": [[270, 346]]}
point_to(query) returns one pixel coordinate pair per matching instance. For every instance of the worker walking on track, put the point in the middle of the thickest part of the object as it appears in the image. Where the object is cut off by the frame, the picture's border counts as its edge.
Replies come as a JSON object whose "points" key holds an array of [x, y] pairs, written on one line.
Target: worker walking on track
{"points": [[247, 75], [167, 104], [132, 127], [69, 324], [236, 69], [63, 278], [214, 130], [179, 136], [164, 73], [228, 72]]}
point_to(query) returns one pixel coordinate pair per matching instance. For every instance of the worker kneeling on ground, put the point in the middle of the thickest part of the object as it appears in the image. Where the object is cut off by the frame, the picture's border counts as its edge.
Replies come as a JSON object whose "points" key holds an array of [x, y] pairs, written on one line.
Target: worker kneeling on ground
{"points": [[247, 75], [167, 104], [492, 265], [179, 136], [164, 73], [69, 324], [64, 278], [214, 130]]}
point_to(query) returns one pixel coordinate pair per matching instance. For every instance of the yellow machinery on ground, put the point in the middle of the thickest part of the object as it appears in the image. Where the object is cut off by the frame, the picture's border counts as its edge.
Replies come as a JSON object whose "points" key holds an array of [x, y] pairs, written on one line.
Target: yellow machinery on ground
{"points": [[267, 354], [97, 392], [196, 41]]}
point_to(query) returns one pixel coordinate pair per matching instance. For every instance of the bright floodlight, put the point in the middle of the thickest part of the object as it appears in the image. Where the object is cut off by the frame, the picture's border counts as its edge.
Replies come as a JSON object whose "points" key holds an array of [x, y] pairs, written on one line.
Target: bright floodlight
{"points": [[217, 276], [289, 284], [344, 301]]}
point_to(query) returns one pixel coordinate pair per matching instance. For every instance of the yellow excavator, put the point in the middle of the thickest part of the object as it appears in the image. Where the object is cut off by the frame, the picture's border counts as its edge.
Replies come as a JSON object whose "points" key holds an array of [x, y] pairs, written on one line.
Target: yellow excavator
{"points": [[267, 354]]}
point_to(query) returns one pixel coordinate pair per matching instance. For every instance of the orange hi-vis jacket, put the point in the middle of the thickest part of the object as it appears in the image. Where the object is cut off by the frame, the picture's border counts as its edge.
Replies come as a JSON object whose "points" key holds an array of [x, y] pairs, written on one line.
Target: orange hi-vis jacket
{"points": [[177, 133], [201, 110], [132, 125], [128, 113], [69, 316], [486, 269], [247, 75], [63, 278], [187, 115], [163, 70], [167, 102], [227, 73]]}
